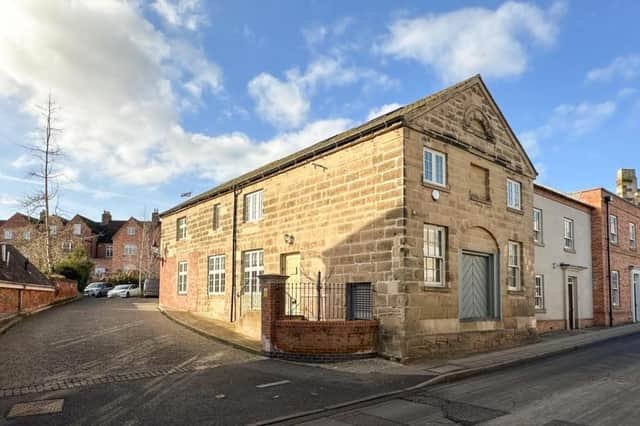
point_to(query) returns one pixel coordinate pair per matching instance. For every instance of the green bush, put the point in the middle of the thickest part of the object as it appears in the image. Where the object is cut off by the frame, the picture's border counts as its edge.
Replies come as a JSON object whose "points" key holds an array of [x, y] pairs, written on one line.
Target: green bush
{"points": [[122, 277], [76, 266]]}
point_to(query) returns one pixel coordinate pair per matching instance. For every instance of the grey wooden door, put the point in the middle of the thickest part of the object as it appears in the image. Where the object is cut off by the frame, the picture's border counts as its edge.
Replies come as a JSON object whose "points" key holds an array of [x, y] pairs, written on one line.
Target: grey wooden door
{"points": [[474, 288]]}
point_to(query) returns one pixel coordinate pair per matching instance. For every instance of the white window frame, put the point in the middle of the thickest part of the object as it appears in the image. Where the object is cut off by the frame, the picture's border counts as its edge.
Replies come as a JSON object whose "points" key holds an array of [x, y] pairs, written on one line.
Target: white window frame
{"points": [[67, 246], [615, 288], [538, 226], [514, 194], [131, 230], [216, 274], [253, 266], [108, 251], [181, 228], [216, 216], [613, 229], [539, 292], [514, 268], [632, 235], [435, 249], [182, 277], [253, 206], [130, 250], [26, 235], [569, 233], [8, 234], [435, 156], [77, 229]]}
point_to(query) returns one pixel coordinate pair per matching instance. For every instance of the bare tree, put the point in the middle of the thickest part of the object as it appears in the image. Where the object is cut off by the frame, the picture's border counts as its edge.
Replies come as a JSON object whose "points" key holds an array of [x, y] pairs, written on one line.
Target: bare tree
{"points": [[45, 151]]}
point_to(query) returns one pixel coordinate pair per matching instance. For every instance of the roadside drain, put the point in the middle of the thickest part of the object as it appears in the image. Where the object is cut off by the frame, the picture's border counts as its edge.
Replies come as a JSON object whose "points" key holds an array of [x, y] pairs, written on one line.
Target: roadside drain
{"points": [[34, 408], [76, 382]]}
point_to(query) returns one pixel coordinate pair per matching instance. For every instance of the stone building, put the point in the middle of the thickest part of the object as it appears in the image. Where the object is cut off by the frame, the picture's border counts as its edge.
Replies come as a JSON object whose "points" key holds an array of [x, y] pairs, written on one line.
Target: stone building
{"points": [[615, 257], [562, 240], [627, 185], [431, 203]]}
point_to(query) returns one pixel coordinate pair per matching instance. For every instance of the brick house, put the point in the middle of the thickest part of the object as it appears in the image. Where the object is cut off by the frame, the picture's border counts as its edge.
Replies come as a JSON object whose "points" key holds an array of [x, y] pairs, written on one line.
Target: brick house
{"points": [[562, 240], [431, 203], [614, 237], [14, 228]]}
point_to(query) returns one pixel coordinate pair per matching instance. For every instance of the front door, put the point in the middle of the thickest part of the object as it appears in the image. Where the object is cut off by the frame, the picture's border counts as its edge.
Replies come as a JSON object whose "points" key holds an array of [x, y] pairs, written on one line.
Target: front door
{"points": [[475, 287], [636, 293], [571, 285]]}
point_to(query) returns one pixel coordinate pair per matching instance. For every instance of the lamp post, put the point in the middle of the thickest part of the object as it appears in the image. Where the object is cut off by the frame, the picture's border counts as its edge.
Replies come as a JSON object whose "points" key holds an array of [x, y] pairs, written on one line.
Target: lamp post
{"points": [[607, 200]]}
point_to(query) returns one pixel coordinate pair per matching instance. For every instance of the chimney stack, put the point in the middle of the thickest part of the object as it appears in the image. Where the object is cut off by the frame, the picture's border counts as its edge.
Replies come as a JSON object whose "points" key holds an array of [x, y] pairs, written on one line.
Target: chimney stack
{"points": [[627, 185], [155, 218], [106, 217], [42, 215]]}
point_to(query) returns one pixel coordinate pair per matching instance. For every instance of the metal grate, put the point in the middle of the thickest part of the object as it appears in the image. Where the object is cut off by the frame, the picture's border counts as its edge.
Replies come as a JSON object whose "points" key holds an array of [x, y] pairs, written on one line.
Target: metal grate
{"points": [[359, 301]]}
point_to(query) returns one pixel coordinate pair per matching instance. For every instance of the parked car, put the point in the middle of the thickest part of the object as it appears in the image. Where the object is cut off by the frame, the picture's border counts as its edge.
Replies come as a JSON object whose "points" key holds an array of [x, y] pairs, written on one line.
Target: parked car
{"points": [[125, 290], [151, 287], [97, 289]]}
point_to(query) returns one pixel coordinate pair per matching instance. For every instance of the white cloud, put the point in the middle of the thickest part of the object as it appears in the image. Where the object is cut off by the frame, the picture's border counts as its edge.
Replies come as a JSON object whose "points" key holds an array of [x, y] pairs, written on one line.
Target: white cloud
{"points": [[623, 67], [285, 103], [6, 200], [567, 120], [474, 40], [180, 13], [375, 112]]}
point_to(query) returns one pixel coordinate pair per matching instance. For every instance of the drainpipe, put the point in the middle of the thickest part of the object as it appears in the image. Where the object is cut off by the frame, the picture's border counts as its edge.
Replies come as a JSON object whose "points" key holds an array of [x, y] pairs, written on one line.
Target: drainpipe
{"points": [[607, 199], [234, 243]]}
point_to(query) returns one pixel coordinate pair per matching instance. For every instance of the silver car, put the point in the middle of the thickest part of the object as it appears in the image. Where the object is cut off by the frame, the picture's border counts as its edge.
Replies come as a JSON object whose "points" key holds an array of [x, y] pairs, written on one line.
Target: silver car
{"points": [[97, 289]]}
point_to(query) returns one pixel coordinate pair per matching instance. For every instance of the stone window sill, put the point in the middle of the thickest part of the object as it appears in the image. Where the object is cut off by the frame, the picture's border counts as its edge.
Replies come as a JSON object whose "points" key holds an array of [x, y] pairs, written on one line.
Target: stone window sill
{"points": [[539, 244], [446, 188], [516, 211], [480, 200], [541, 311], [515, 292], [570, 250], [434, 289]]}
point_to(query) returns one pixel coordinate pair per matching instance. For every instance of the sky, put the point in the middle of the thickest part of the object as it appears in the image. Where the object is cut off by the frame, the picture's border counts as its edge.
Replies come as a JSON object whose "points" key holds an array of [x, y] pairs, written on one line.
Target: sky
{"points": [[158, 98]]}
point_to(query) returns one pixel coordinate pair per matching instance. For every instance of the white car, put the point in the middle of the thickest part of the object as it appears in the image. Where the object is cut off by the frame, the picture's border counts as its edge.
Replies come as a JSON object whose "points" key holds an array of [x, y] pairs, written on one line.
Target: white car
{"points": [[125, 290]]}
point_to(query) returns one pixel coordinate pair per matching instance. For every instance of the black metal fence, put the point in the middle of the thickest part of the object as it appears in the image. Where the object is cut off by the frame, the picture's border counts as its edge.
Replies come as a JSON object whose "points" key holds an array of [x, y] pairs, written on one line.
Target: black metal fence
{"points": [[318, 301]]}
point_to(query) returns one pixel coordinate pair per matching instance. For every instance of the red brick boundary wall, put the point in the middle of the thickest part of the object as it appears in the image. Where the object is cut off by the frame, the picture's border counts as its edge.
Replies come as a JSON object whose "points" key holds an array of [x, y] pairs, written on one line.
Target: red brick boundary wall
{"points": [[310, 340], [18, 298]]}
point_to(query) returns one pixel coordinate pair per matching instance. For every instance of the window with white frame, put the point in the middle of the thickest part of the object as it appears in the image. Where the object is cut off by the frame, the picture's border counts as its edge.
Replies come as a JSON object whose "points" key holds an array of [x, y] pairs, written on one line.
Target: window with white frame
{"points": [[8, 234], [216, 216], [130, 249], [515, 274], [569, 242], [182, 277], [632, 235], [26, 235], [537, 226], [131, 230], [434, 167], [253, 206], [539, 295], [216, 274], [514, 200], [53, 230], [434, 255], [615, 288], [77, 229], [613, 229], [67, 246], [253, 263], [181, 228], [99, 270], [108, 251]]}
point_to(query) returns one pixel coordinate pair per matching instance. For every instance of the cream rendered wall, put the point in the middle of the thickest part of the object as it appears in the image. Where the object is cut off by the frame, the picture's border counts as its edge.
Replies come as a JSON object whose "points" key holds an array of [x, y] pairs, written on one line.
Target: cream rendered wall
{"points": [[551, 252]]}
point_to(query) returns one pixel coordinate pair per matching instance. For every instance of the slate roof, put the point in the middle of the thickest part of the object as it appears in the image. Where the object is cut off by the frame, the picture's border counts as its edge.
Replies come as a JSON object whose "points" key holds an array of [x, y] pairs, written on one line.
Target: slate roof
{"points": [[400, 114], [14, 267]]}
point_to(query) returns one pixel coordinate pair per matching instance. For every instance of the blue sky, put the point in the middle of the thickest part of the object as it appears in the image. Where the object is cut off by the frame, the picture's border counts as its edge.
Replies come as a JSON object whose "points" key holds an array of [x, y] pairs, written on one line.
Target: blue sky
{"points": [[169, 96]]}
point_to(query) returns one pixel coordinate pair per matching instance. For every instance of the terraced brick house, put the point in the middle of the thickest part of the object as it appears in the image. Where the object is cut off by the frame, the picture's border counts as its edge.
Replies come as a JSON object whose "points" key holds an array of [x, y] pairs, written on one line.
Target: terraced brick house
{"points": [[430, 203]]}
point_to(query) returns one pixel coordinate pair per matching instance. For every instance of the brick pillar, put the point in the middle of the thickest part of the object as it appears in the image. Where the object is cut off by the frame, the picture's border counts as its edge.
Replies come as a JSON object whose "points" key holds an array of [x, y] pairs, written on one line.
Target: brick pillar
{"points": [[273, 303]]}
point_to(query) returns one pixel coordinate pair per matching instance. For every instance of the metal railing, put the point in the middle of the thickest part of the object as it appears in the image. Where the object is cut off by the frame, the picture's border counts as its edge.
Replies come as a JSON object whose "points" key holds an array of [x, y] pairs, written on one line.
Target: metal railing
{"points": [[318, 301]]}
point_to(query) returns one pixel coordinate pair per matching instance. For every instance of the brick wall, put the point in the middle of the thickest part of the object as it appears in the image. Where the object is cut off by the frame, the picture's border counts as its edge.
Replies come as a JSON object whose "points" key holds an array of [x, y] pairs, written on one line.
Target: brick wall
{"points": [[623, 257], [326, 337]]}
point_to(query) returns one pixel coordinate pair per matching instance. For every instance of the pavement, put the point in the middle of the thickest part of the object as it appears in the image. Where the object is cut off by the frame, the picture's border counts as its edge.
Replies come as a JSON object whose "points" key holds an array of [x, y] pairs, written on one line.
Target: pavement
{"points": [[120, 361]]}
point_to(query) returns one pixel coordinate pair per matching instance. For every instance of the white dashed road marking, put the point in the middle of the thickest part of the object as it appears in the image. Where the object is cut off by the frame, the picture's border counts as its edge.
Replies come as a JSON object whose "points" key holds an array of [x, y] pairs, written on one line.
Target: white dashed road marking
{"points": [[268, 385]]}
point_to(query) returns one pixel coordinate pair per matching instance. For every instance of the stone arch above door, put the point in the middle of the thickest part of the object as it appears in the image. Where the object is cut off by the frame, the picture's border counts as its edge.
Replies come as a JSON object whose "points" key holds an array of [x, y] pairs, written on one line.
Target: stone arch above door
{"points": [[479, 239]]}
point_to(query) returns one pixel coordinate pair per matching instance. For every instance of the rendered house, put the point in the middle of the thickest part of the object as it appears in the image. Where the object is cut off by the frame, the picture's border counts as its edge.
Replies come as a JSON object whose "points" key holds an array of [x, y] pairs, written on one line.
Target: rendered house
{"points": [[562, 239], [431, 203]]}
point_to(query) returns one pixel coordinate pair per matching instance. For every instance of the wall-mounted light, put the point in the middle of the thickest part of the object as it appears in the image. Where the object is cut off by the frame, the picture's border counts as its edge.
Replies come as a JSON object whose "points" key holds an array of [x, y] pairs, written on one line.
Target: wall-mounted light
{"points": [[288, 239]]}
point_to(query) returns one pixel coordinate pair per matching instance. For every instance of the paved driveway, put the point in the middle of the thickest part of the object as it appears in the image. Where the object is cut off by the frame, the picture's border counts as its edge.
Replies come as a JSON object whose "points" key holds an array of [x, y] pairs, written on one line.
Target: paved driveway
{"points": [[121, 361]]}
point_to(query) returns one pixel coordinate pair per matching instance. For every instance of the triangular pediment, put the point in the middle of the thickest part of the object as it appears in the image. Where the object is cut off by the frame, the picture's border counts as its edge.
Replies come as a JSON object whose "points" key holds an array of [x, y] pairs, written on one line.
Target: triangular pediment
{"points": [[467, 114]]}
